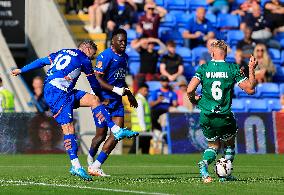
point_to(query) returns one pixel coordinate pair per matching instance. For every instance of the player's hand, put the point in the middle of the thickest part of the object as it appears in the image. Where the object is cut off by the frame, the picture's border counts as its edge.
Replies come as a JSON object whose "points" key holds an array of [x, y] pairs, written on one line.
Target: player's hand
{"points": [[132, 100], [105, 102], [252, 62], [16, 72], [160, 98]]}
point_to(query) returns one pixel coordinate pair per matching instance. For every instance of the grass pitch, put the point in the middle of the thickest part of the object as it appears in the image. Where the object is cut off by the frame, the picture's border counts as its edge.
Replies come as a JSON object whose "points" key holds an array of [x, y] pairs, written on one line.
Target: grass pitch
{"points": [[141, 174]]}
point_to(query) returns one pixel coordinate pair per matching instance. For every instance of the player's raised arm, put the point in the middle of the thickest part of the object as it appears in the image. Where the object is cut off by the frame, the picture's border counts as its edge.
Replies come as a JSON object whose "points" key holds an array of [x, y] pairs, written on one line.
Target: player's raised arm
{"points": [[39, 63], [249, 84]]}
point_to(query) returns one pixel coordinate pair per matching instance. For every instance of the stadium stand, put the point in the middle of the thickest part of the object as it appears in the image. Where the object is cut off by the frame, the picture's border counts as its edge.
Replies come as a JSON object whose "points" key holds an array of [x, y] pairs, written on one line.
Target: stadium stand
{"points": [[256, 105], [238, 105], [268, 90], [178, 5], [273, 104]]}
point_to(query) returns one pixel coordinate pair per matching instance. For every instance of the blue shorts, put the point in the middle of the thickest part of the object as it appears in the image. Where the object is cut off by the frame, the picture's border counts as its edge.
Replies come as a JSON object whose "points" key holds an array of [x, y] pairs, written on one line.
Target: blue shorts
{"points": [[115, 111], [62, 103]]}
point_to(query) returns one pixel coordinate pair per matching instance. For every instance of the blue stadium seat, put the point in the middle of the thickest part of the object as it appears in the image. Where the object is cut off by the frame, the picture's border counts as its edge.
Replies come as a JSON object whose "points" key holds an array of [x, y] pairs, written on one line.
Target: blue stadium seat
{"points": [[212, 18], [182, 18], [196, 53], [134, 68], [238, 105], [168, 21], [281, 88], [228, 21], [185, 53], [241, 94], [163, 30], [178, 5], [233, 36], [131, 35], [172, 35], [275, 55], [189, 71], [153, 85], [194, 4], [256, 105], [231, 56], [279, 76], [274, 104], [161, 3], [268, 90], [133, 54]]}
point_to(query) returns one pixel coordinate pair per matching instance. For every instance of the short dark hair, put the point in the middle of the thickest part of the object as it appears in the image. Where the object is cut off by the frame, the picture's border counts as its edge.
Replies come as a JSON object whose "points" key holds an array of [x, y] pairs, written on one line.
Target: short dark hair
{"points": [[171, 43], [143, 85], [88, 43], [118, 31]]}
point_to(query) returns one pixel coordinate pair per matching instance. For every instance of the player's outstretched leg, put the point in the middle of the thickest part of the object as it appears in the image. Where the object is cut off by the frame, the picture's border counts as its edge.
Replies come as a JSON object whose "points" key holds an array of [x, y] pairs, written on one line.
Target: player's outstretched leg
{"points": [[72, 149], [209, 156], [102, 115]]}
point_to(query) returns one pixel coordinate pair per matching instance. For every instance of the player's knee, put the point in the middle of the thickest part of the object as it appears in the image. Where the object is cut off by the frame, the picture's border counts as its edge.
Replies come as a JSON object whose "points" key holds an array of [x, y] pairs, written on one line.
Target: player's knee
{"points": [[98, 139]]}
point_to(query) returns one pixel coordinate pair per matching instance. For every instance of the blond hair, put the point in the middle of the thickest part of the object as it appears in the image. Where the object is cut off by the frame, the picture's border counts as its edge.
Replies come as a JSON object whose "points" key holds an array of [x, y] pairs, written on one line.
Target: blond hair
{"points": [[220, 44]]}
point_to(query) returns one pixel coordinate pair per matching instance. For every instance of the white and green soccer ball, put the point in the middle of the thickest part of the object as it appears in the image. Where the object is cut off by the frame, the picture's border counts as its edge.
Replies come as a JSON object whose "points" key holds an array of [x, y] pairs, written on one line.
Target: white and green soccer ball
{"points": [[223, 168]]}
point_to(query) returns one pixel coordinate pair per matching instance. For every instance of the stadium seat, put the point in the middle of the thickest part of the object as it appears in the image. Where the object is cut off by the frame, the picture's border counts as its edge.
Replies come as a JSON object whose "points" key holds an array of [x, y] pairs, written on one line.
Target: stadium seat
{"points": [[238, 105], [163, 30], [268, 90], [279, 76], [274, 104], [241, 94], [228, 21], [275, 55], [281, 88], [185, 53], [197, 52], [161, 3], [153, 85], [131, 35], [168, 21], [212, 18], [256, 105], [231, 56], [194, 4], [134, 68], [182, 18], [172, 35], [178, 5], [133, 54], [189, 71], [233, 36]]}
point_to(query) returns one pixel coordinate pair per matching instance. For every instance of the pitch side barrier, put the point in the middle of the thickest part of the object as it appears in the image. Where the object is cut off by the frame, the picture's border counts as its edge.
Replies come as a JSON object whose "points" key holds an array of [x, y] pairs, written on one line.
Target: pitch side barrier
{"points": [[258, 133]]}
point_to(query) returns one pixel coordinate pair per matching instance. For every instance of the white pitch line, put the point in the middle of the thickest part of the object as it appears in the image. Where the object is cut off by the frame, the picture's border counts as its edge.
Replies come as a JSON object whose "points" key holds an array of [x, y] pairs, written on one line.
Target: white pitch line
{"points": [[25, 183]]}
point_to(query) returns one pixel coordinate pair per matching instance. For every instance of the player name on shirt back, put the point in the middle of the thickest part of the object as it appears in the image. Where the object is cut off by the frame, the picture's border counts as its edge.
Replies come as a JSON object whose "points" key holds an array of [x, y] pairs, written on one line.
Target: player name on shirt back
{"points": [[217, 74]]}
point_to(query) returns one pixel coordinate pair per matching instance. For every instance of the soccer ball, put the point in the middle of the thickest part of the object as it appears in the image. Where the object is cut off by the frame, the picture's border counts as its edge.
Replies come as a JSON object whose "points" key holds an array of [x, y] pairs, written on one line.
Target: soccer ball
{"points": [[223, 168]]}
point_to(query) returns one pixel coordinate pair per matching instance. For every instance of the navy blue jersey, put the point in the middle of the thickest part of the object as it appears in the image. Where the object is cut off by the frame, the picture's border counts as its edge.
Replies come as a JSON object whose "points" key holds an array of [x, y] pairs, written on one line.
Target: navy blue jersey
{"points": [[113, 66]]}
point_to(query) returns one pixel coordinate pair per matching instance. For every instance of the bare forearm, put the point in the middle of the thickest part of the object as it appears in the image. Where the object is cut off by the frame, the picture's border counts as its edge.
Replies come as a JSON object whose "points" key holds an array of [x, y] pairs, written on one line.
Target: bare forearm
{"points": [[252, 78]]}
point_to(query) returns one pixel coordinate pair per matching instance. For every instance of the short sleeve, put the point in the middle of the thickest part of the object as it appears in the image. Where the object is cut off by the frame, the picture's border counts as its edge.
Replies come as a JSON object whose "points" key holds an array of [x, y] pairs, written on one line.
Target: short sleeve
{"points": [[180, 60], [164, 60], [102, 63], [239, 75], [153, 96], [174, 96], [199, 73]]}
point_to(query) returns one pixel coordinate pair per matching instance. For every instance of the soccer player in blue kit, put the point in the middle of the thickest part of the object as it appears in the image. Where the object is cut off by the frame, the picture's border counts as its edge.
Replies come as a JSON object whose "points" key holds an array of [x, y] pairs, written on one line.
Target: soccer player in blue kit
{"points": [[62, 98], [110, 71]]}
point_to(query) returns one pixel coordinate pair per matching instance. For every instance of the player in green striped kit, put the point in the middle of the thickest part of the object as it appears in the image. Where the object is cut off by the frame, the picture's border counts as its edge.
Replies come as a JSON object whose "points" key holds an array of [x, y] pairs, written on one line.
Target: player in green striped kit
{"points": [[216, 118]]}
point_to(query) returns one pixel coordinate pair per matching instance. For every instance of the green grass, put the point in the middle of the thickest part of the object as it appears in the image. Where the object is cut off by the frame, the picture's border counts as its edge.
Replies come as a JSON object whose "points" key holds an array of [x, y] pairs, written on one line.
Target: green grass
{"points": [[170, 174]]}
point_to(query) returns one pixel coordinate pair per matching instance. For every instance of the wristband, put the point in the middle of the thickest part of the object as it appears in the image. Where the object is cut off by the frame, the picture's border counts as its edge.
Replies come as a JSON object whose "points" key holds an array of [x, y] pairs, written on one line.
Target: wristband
{"points": [[118, 90]]}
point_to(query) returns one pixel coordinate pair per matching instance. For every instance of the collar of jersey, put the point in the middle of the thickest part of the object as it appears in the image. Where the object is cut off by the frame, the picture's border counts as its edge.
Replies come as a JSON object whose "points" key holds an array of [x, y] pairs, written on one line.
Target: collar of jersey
{"points": [[218, 60], [115, 52]]}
